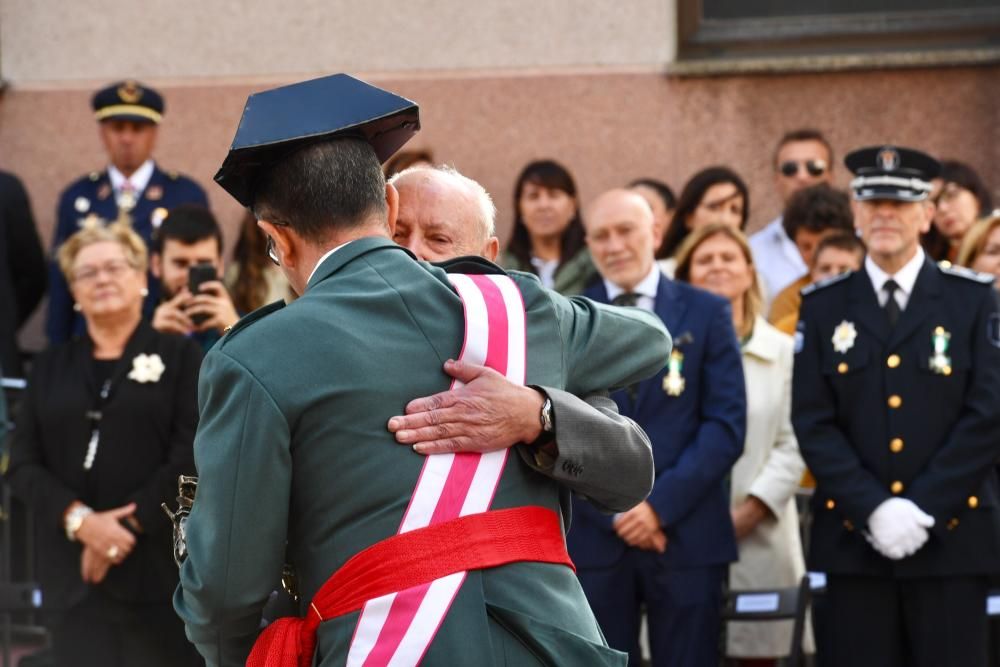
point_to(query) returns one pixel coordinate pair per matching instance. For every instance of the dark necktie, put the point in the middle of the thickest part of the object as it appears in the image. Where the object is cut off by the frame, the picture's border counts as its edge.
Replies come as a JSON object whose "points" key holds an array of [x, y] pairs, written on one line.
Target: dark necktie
{"points": [[891, 307], [625, 299]]}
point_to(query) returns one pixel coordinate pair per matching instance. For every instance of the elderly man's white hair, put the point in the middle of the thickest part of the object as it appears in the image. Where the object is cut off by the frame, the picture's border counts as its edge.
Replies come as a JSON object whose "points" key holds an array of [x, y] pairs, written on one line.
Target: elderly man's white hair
{"points": [[487, 209]]}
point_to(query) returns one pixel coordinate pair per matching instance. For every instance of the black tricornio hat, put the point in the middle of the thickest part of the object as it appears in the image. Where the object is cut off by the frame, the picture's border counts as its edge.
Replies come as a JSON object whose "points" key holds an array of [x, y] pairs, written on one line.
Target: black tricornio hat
{"points": [[891, 172], [277, 122], [128, 100]]}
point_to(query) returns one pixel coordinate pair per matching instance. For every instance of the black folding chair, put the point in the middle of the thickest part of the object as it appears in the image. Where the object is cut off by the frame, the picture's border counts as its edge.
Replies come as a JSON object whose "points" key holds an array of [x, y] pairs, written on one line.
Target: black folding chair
{"points": [[776, 604]]}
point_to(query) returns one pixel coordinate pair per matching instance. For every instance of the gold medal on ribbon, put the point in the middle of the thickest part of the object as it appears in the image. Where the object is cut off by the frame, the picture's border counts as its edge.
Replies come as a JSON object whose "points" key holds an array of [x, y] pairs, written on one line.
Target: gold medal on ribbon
{"points": [[673, 381], [940, 362]]}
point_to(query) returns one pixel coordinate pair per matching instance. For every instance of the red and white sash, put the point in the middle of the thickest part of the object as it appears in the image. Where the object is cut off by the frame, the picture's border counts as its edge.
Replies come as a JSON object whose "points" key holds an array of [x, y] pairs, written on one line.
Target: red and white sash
{"points": [[397, 629]]}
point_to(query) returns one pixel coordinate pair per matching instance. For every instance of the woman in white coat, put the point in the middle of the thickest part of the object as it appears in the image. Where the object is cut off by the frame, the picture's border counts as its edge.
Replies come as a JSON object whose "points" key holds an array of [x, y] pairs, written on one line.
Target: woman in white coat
{"points": [[717, 258]]}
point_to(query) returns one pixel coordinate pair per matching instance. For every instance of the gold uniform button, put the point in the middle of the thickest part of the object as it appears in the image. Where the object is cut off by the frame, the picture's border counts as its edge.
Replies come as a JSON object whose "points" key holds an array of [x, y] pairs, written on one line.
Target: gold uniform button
{"points": [[952, 524], [895, 401], [830, 504], [842, 367], [946, 371], [848, 525], [896, 487], [892, 361], [973, 502], [896, 445]]}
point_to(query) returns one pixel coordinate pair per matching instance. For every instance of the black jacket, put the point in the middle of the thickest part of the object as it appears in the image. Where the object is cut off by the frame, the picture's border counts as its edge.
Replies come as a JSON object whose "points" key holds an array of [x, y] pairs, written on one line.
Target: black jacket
{"points": [[22, 269], [146, 436], [877, 419]]}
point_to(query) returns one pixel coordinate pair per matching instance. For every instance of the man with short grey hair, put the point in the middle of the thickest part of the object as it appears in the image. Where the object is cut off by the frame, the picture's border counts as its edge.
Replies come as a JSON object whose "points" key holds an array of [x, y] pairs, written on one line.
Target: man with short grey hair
{"points": [[591, 449]]}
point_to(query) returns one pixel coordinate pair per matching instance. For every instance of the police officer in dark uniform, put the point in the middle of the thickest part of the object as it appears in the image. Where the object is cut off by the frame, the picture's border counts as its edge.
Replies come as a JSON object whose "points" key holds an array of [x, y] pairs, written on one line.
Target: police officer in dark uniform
{"points": [[897, 375], [131, 189]]}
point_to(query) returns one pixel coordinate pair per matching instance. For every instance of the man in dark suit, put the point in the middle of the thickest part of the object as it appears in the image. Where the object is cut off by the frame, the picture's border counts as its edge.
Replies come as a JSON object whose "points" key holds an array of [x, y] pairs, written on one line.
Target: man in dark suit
{"points": [[671, 551], [22, 269], [895, 408], [133, 189]]}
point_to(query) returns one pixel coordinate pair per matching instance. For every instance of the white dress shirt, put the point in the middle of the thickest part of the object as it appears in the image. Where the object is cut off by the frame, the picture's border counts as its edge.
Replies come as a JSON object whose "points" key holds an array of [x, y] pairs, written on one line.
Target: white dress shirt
{"points": [[139, 180], [906, 278], [778, 260], [646, 289], [546, 269]]}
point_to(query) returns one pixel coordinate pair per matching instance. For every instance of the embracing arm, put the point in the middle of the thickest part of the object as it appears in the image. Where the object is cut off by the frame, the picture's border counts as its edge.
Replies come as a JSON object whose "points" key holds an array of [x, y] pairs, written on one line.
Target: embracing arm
{"points": [[599, 454], [237, 529]]}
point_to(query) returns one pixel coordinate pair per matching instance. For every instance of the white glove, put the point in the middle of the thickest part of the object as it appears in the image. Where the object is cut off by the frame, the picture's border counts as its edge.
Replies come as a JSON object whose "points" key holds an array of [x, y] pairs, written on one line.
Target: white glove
{"points": [[898, 528]]}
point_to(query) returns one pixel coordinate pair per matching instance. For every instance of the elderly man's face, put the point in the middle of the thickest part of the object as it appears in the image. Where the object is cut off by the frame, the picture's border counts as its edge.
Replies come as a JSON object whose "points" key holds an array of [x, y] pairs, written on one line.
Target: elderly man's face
{"points": [[440, 219], [622, 236]]}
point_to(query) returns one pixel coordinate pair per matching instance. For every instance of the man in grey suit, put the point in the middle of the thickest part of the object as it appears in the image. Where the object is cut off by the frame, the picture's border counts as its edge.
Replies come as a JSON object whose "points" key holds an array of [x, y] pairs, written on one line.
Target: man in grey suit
{"points": [[583, 443]]}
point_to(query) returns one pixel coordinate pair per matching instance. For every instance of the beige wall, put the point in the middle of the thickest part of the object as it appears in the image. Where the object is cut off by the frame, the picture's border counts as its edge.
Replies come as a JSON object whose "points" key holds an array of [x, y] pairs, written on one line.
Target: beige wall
{"points": [[60, 40]]}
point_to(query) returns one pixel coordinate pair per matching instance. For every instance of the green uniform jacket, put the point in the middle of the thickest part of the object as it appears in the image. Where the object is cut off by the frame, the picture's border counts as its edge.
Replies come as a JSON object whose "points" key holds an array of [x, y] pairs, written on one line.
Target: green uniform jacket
{"points": [[293, 448]]}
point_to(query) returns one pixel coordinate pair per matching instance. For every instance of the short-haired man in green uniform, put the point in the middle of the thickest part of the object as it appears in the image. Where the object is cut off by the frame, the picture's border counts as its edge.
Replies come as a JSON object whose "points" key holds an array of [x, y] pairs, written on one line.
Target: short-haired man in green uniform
{"points": [[294, 457]]}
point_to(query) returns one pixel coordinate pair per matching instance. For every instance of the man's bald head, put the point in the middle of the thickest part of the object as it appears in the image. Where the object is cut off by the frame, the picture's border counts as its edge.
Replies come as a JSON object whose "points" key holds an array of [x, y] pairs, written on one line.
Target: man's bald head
{"points": [[443, 214], [621, 235]]}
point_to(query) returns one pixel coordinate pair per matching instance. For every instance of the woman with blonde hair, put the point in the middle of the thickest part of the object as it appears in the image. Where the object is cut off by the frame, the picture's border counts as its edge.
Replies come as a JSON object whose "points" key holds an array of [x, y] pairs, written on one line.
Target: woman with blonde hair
{"points": [[106, 426], [717, 258], [980, 249]]}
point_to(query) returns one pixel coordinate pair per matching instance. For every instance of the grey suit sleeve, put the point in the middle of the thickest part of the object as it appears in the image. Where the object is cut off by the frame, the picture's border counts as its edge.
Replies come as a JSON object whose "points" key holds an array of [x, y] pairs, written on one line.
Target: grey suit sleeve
{"points": [[602, 455]]}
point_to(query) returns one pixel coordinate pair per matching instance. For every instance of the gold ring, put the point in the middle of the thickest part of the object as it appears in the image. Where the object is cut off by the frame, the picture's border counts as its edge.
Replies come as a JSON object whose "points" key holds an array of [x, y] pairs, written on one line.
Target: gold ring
{"points": [[113, 552]]}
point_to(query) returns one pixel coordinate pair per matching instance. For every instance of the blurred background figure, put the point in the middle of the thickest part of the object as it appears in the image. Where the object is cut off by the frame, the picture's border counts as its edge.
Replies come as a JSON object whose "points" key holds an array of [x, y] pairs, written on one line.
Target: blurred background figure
{"points": [[713, 195], [22, 269], [660, 198], [961, 198], [406, 159], [836, 253], [187, 262], [802, 158], [548, 232], [253, 279], [811, 214], [717, 258], [106, 426], [132, 189], [980, 249]]}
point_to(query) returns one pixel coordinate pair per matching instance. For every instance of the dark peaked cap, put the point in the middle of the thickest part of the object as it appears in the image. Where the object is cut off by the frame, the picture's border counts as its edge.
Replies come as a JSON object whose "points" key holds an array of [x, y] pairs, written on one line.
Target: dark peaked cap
{"points": [[891, 172], [277, 122]]}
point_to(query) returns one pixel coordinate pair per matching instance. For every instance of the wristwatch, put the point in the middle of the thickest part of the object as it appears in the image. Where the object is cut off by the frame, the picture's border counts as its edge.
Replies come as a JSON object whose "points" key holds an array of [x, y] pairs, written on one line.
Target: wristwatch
{"points": [[74, 519], [545, 417]]}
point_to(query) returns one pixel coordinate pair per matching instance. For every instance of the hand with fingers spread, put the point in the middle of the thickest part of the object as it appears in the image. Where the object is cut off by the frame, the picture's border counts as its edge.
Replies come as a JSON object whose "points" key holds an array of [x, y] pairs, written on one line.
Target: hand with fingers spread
{"points": [[170, 316], [213, 303], [486, 414], [640, 527], [103, 533], [898, 528]]}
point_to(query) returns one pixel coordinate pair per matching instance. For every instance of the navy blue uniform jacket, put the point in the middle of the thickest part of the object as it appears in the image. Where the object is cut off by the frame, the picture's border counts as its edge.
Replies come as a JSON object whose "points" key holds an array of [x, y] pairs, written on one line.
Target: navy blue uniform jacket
{"points": [[696, 437], [94, 194], [877, 419]]}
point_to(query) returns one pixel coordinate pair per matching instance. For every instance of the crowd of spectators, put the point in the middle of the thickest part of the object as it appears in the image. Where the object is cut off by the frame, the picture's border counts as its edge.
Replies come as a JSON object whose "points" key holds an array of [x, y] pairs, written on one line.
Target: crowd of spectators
{"points": [[140, 289]]}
